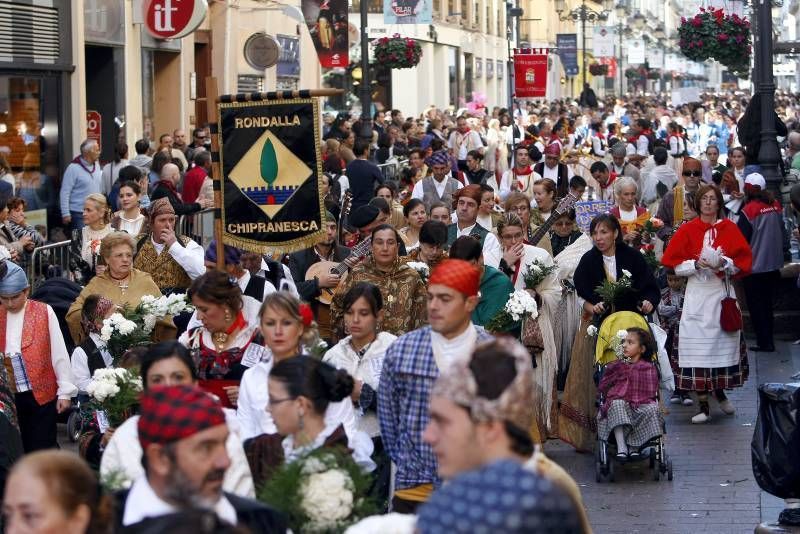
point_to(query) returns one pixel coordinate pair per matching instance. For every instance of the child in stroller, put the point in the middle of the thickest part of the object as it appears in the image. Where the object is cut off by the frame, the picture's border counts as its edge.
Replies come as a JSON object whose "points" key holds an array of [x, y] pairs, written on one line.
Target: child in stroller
{"points": [[629, 392]]}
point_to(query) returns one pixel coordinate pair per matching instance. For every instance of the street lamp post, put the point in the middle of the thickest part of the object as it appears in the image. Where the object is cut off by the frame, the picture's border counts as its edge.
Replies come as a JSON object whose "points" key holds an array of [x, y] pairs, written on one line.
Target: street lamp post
{"points": [[584, 15], [366, 88], [769, 154]]}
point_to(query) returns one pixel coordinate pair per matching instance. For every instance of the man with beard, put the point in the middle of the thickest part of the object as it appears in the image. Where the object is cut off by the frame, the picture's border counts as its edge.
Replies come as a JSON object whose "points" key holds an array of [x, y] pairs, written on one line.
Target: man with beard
{"points": [[466, 203], [182, 431]]}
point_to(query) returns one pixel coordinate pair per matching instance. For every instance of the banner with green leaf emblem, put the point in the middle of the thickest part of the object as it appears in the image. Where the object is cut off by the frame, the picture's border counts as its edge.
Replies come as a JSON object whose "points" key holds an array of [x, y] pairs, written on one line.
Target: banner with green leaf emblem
{"points": [[271, 170]]}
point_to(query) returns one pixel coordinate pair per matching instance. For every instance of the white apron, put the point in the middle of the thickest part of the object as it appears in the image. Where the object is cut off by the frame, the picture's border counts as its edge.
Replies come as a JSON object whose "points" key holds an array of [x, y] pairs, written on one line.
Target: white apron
{"points": [[701, 341]]}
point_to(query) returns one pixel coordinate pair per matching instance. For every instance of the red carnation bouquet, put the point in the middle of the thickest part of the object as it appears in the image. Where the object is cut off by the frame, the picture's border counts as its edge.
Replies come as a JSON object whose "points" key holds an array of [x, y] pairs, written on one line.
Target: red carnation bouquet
{"points": [[397, 52]]}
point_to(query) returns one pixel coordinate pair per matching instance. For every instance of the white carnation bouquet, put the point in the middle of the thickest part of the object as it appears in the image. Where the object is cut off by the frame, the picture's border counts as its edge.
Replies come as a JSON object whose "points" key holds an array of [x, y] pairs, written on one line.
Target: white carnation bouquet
{"points": [[422, 269], [130, 328], [536, 272], [521, 305], [114, 393], [616, 343], [321, 492], [611, 292]]}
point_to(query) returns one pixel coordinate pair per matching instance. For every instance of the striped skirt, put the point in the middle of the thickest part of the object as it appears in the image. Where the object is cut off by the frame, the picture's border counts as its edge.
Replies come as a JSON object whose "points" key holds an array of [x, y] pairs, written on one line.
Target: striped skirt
{"points": [[709, 379], [640, 424]]}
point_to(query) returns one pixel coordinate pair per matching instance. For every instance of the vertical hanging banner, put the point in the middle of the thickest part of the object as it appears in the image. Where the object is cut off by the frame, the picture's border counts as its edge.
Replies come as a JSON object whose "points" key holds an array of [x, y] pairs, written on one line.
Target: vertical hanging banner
{"points": [[636, 52], [530, 73], [271, 173], [603, 41], [567, 44], [407, 11], [327, 24]]}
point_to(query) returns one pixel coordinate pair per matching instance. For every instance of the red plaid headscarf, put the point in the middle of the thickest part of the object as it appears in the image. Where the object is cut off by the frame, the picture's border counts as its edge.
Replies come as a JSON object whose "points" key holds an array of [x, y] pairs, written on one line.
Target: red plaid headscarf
{"points": [[172, 413], [457, 274]]}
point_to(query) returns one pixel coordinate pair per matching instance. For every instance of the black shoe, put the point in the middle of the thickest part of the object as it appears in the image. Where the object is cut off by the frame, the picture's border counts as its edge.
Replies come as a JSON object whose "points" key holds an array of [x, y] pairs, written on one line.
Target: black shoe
{"points": [[770, 348]]}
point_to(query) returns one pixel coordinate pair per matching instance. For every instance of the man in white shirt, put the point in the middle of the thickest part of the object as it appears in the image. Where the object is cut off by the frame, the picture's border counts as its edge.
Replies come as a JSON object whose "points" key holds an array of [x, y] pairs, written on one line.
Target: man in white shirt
{"points": [[252, 286], [173, 261], [467, 201], [518, 178], [441, 186], [462, 140], [183, 434]]}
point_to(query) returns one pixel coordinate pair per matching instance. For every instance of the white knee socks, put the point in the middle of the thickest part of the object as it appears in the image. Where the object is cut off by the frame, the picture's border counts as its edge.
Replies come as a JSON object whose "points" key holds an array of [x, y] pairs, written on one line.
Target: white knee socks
{"points": [[619, 434]]}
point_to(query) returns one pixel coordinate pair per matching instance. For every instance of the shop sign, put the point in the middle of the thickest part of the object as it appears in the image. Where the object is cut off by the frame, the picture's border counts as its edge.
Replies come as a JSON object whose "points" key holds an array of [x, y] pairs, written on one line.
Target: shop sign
{"points": [[173, 19], [94, 126]]}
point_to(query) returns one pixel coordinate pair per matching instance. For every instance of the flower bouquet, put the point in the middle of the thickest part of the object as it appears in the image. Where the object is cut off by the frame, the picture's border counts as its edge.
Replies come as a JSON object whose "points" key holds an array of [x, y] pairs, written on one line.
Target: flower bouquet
{"points": [[652, 225], [321, 492], [422, 269], [536, 273], [114, 393], [520, 305], [397, 52], [130, 328], [712, 34], [649, 253], [611, 292]]}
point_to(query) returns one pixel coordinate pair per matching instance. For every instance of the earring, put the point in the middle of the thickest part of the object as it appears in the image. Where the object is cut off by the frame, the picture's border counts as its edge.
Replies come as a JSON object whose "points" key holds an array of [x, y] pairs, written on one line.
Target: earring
{"points": [[300, 422], [227, 315]]}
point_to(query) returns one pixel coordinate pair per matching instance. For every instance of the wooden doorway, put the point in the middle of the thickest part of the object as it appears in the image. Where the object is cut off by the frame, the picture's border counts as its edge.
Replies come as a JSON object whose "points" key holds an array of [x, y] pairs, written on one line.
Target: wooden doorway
{"points": [[202, 69]]}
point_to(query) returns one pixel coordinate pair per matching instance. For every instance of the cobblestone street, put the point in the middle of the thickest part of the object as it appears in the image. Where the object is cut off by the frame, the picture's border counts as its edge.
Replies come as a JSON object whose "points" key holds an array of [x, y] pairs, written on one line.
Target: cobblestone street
{"points": [[713, 490]]}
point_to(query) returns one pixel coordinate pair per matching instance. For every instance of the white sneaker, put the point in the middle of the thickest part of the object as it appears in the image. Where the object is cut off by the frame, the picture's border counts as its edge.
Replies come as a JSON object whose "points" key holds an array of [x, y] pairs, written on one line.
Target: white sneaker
{"points": [[727, 407], [675, 399], [701, 418], [687, 401]]}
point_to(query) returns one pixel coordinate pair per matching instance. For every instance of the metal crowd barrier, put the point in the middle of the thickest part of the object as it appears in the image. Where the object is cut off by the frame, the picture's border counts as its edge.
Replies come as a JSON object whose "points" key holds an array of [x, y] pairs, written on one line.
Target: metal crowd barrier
{"points": [[49, 261], [390, 170], [199, 227]]}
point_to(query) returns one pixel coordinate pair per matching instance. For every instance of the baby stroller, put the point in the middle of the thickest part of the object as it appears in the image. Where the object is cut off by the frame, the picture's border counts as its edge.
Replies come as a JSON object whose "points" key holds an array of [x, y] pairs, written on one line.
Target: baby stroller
{"points": [[654, 449]]}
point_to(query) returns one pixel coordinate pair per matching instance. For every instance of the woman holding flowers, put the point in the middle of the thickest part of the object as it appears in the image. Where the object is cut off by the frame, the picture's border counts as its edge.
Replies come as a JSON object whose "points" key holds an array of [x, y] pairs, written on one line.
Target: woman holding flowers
{"points": [[532, 269], [631, 217], [629, 286], [300, 390], [709, 251], [121, 284]]}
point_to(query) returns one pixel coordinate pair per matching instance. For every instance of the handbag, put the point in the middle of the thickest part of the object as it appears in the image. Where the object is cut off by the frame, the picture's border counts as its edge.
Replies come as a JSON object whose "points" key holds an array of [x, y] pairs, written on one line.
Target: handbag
{"points": [[532, 335], [730, 316]]}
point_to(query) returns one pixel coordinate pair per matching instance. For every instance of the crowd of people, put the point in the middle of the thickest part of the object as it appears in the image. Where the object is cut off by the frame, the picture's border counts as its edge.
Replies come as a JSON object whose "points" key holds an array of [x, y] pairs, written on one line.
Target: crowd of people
{"points": [[382, 339]]}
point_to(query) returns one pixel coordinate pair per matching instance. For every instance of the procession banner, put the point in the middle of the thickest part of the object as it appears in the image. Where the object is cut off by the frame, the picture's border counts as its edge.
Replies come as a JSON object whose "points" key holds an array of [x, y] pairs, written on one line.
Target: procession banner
{"points": [[530, 73], [327, 24], [636, 52], [271, 174], [603, 41], [587, 210], [567, 44], [407, 11]]}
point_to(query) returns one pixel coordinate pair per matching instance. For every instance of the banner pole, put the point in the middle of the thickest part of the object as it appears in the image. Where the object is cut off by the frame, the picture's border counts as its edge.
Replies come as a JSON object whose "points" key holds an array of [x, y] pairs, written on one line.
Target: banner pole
{"points": [[276, 95], [212, 94]]}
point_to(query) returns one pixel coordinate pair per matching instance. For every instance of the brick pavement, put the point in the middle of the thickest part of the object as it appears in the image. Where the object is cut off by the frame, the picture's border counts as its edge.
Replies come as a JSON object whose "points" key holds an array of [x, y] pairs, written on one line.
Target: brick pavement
{"points": [[713, 490]]}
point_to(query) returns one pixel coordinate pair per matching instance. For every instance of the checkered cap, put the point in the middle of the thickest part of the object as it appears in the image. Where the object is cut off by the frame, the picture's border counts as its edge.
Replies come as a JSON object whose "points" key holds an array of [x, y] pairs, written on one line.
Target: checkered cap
{"points": [[172, 413], [457, 274]]}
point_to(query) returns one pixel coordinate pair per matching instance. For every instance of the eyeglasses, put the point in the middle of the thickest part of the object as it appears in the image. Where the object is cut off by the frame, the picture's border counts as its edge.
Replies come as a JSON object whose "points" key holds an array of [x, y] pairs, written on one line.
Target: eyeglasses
{"points": [[693, 173]]}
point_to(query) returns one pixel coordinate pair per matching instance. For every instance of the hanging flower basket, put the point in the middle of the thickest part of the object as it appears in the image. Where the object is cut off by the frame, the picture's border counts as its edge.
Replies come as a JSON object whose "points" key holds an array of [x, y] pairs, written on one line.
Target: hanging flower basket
{"points": [[712, 34], [632, 72], [598, 69], [397, 52]]}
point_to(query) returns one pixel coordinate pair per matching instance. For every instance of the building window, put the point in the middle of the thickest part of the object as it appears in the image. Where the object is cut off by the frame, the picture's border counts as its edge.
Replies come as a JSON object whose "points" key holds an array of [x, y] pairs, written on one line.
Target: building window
{"points": [[248, 83]]}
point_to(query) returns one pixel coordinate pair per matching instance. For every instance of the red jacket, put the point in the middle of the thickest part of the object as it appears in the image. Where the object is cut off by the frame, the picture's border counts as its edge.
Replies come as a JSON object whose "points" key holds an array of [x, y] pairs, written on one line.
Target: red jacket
{"points": [[192, 182]]}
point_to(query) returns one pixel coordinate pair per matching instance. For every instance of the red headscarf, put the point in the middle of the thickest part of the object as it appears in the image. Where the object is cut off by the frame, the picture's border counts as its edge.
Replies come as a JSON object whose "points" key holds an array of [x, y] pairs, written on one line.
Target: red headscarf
{"points": [[457, 274]]}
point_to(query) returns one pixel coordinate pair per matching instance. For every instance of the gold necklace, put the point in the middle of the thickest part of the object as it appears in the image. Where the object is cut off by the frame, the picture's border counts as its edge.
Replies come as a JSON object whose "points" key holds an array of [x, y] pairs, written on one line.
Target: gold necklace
{"points": [[219, 338]]}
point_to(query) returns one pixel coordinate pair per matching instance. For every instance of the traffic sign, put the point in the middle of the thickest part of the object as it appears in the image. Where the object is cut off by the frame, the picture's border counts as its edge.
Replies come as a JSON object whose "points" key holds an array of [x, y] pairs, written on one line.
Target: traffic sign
{"points": [[173, 19]]}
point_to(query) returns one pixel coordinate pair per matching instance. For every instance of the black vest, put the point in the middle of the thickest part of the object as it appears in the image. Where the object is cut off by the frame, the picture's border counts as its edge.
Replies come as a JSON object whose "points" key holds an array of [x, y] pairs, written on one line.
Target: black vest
{"points": [[94, 360], [255, 288]]}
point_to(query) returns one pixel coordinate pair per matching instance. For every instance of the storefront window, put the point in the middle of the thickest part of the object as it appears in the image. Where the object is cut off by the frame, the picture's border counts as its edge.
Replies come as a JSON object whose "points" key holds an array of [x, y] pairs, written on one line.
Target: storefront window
{"points": [[148, 98], [29, 143]]}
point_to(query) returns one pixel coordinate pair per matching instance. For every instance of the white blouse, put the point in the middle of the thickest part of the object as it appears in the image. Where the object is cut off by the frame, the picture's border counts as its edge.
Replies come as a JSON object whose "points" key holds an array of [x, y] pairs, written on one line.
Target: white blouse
{"points": [[132, 226], [366, 368]]}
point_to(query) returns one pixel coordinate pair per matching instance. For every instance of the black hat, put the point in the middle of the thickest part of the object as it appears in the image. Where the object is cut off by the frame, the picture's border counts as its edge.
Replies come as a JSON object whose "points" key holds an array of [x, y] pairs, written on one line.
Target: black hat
{"points": [[364, 215]]}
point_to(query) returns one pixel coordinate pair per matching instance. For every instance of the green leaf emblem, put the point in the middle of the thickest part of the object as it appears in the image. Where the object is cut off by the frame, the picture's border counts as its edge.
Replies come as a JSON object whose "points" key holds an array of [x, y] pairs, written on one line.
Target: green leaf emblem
{"points": [[269, 163]]}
